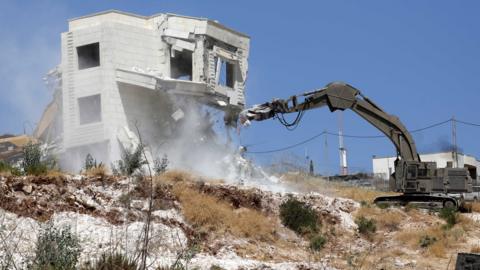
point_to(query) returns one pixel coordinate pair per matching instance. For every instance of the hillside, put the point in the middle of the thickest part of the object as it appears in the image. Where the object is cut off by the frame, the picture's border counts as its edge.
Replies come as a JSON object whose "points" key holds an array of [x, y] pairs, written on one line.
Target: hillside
{"points": [[207, 224]]}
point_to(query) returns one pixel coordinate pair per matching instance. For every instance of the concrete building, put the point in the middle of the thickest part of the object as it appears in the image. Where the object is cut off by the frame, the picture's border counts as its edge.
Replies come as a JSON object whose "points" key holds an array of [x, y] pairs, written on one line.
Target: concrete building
{"points": [[384, 166], [118, 69]]}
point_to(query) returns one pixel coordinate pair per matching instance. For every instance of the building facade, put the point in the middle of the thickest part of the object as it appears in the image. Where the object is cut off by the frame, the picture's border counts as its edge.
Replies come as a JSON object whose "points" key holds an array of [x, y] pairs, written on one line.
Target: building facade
{"points": [[119, 72]]}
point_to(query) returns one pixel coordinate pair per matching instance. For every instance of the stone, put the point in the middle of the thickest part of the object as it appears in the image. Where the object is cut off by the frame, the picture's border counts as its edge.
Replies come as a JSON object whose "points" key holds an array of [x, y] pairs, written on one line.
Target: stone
{"points": [[27, 189]]}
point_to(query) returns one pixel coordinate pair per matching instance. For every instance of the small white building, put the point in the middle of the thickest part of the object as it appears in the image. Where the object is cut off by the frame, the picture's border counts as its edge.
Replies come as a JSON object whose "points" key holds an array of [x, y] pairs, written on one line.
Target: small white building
{"points": [[383, 167], [120, 68]]}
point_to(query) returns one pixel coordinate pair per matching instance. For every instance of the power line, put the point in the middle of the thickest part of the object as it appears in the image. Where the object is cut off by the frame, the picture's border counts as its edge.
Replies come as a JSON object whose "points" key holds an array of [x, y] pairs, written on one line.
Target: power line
{"points": [[288, 147], [350, 136], [467, 123]]}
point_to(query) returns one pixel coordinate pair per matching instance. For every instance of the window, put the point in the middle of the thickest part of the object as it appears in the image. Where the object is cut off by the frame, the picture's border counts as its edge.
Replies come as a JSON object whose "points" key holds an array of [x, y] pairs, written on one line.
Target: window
{"points": [[422, 172], [225, 73], [181, 65], [412, 172], [90, 109], [88, 56]]}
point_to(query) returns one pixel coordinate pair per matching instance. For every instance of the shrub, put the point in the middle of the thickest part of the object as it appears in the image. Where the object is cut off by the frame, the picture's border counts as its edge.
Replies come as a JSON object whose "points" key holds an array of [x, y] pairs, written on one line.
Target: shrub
{"points": [[111, 261], [4, 166], [56, 249], [427, 240], [8, 169], [160, 165], [132, 160], [90, 162], [449, 215], [32, 160], [317, 242], [298, 216], [382, 205], [366, 225], [99, 170], [184, 257]]}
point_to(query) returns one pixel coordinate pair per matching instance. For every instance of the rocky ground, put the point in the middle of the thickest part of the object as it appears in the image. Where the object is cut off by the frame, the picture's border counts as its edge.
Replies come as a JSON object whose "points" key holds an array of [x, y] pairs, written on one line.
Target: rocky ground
{"points": [[108, 213]]}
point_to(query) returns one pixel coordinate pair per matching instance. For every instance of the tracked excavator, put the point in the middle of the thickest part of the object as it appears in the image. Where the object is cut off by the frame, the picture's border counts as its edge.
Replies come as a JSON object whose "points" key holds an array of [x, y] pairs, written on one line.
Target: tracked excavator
{"points": [[420, 182]]}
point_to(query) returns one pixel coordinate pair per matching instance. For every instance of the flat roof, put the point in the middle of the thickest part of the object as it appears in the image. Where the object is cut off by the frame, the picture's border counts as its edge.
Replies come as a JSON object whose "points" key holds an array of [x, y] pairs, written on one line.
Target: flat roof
{"points": [[213, 22], [429, 153]]}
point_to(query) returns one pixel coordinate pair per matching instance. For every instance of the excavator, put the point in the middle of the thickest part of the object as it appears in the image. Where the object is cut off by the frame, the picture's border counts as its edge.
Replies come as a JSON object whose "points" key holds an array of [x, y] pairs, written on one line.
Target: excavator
{"points": [[420, 182]]}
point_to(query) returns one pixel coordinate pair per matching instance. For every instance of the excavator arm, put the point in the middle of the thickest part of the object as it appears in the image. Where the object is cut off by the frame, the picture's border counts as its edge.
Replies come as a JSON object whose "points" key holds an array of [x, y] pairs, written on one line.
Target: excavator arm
{"points": [[340, 96]]}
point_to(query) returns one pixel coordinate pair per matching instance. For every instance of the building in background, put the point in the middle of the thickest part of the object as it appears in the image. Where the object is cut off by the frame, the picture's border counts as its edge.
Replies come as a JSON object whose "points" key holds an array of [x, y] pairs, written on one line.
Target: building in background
{"points": [[11, 147], [384, 166], [120, 69]]}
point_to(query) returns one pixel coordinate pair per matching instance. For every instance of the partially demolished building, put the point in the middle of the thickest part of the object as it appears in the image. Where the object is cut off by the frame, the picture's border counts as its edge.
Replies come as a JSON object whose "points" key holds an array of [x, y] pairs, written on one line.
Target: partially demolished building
{"points": [[118, 71]]}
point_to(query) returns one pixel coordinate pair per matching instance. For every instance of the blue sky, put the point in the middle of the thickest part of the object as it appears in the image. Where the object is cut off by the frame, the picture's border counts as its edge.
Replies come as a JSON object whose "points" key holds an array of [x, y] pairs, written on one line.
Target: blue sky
{"points": [[418, 60]]}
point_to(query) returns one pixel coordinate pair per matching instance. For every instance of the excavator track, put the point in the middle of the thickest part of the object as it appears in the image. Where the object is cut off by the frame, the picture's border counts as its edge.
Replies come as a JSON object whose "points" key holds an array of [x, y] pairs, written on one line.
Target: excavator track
{"points": [[419, 200]]}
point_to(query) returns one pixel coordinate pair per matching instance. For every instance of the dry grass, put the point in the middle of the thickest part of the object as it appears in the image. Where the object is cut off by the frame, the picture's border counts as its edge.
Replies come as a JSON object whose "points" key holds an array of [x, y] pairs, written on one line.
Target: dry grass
{"points": [[360, 194], [208, 213], [439, 248], [475, 206], [466, 223], [175, 176], [5, 173], [409, 237], [445, 239], [55, 173], [388, 219], [100, 170], [475, 249]]}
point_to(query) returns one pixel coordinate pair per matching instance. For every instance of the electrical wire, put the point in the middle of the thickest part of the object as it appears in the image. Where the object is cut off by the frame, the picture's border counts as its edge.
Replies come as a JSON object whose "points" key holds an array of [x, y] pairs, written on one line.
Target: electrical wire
{"points": [[467, 123], [298, 118], [288, 147]]}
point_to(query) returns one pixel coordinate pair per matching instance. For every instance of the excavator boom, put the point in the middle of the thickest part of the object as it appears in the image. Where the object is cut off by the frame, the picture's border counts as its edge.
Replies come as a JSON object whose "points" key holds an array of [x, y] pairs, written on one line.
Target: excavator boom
{"points": [[341, 96]]}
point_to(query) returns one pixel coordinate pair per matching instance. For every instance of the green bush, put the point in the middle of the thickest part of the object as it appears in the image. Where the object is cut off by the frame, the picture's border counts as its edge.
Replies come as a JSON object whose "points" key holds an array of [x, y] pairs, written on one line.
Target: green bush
{"points": [[317, 242], [449, 215], [383, 205], [7, 168], [366, 225], [298, 216], [91, 163], [111, 261], [132, 160], [4, 166], [32, 160], [56, 249], [426, 241]]}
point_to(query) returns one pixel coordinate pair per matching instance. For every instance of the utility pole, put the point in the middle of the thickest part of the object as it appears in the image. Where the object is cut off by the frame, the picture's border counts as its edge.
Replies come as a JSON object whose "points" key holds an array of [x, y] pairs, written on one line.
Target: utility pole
{"points": [[341, 146], [454, 143], [325, 153]]}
